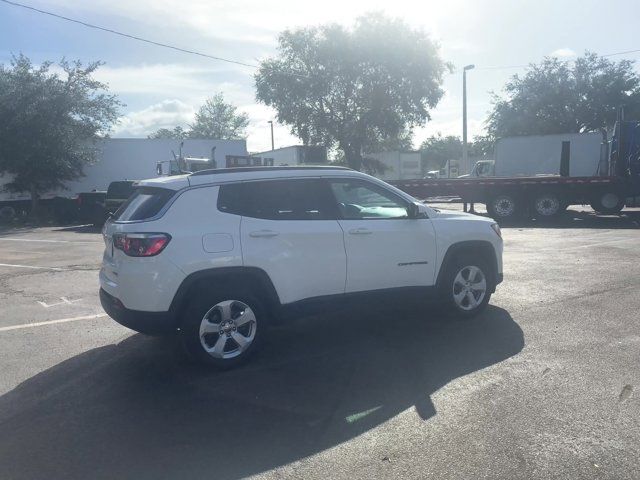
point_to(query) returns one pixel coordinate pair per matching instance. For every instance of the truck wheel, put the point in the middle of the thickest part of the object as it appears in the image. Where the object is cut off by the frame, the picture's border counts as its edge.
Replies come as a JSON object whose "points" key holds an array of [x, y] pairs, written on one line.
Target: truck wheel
{"points": [[503, 207], [466, 287], [7, 213], [547, 206], [223, 329], [609, 203]]}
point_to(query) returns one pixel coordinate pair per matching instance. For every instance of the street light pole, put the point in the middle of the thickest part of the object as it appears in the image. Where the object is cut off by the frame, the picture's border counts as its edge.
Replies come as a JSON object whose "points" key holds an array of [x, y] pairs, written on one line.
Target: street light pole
{"points": [[465, 153], [272, 144]]}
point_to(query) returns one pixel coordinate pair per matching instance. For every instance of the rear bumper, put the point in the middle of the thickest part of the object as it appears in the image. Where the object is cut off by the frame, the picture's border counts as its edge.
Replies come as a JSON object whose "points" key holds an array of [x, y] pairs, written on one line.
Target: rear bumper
{"points": [[152, 323]]}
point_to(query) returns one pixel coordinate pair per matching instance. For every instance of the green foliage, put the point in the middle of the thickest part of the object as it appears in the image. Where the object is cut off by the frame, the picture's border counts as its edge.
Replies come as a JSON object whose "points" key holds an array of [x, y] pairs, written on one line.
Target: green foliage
{"points": [[353, 88], [557, 96], [216, 119], [220, 120], [176, 133], [436, 150], [50, 122]]}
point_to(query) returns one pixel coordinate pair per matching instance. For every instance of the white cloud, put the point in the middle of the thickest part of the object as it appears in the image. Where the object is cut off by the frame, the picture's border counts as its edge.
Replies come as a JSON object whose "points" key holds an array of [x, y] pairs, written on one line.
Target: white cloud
{"points": [[563, 53], [166, 114]]}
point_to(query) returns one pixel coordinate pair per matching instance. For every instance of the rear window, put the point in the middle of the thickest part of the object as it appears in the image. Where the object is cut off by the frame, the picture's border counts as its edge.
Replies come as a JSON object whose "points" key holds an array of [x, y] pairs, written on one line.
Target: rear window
{"points": [[120, 189], [144, 203]]}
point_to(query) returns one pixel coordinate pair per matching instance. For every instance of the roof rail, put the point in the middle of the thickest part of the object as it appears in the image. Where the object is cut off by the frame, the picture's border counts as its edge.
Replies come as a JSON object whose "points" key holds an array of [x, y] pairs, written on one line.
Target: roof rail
{"points": [[216, 171]]}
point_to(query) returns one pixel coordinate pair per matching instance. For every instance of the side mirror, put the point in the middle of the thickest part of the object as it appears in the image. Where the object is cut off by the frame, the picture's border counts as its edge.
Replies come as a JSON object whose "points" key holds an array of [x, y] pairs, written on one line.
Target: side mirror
{"points": [[414, 211]]}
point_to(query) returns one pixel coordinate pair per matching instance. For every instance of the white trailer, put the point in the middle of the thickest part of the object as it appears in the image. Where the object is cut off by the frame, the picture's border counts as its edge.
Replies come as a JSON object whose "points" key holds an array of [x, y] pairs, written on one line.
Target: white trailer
{"points": [[294, 155], [133, 159], [540, 155], [401, 165]]}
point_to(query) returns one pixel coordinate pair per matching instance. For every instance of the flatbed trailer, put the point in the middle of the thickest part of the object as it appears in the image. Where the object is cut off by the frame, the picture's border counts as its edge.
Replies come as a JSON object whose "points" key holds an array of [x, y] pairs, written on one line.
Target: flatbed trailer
{"points": [[540, 197], [547, 196]]}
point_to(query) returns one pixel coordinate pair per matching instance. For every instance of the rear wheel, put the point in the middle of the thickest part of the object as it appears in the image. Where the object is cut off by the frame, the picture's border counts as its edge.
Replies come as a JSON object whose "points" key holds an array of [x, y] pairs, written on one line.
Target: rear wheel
{"points": [[223, 330], [467, 286], [609, 203], [503, 207], [547, 206]]}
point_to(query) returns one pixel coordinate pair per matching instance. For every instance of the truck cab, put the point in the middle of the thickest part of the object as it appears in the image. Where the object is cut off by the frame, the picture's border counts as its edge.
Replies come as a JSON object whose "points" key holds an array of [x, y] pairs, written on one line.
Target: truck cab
{"points": [[482, 168]]}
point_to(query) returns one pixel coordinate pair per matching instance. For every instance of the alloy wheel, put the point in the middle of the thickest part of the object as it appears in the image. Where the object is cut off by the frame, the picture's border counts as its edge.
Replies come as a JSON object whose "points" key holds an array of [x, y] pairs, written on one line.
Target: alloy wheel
{"points": [[469, 287], [228, 329]]}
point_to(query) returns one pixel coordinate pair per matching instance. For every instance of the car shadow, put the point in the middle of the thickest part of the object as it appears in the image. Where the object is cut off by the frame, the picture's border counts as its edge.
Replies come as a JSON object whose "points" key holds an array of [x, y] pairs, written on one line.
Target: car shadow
{"points": [[139, 410]]}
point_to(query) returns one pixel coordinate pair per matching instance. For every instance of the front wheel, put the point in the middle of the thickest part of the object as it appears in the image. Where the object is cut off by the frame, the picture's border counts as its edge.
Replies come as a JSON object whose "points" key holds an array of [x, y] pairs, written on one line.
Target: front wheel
{"points": [[223, 330], [467, 287]]}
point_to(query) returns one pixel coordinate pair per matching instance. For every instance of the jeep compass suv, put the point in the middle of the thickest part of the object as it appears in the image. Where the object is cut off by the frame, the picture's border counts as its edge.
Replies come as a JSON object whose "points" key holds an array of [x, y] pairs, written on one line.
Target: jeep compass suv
{"points": [[219, 254]]}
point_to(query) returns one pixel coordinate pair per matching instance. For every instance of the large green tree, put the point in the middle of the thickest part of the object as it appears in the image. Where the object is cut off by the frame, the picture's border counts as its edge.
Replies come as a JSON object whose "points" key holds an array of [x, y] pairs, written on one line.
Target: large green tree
{"points": [[353, 88], [50, 122], [559, 96], [217, 119]]}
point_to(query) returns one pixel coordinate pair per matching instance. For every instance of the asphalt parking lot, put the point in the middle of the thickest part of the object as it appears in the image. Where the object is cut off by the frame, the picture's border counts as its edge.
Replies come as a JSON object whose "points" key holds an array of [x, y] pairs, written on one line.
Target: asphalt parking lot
{"points": [[543, 385]]}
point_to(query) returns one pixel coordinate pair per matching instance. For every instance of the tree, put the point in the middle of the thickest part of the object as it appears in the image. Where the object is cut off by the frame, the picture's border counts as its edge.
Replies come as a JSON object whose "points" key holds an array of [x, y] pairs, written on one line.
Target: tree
{"points": [[50, 122], [436, 149], [176, 133], [557, 96], [215, 119], [219, 119], [353, 88]]}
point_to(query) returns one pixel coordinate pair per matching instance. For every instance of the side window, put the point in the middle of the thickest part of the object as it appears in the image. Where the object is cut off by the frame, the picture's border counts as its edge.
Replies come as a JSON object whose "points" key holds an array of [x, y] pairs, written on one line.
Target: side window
{"points": [[277, 200], [358, 200]]}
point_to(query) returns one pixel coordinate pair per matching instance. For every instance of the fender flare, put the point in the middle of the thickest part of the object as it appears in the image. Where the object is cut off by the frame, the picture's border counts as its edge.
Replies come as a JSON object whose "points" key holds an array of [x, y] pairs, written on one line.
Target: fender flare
{"points": [[477, 247], [252, 277]]}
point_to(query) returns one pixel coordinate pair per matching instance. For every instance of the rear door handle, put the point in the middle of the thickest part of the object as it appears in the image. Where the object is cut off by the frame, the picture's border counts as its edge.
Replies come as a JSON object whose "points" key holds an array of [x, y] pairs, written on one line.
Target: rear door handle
{"points": [[263, 233], [360, 231]]}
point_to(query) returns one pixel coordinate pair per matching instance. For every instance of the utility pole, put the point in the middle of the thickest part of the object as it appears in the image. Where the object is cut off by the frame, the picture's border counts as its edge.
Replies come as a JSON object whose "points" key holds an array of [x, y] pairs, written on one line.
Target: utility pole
{"points": [[272, 144], [465, 153]]}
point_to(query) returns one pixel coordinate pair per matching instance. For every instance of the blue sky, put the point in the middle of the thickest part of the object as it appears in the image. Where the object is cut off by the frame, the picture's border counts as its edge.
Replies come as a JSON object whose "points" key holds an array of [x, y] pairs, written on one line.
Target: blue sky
{"points": [[163, 88]]}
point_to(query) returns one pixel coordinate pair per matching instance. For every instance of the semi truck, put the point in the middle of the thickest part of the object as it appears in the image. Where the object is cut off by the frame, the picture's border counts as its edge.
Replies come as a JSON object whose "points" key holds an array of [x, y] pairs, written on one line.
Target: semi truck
{"points": [[579, 170]]}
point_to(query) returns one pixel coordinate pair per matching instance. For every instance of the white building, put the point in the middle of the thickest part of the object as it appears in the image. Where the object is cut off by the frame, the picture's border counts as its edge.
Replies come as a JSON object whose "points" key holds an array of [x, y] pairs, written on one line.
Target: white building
{"points": [[136, 159], [401, 165]]}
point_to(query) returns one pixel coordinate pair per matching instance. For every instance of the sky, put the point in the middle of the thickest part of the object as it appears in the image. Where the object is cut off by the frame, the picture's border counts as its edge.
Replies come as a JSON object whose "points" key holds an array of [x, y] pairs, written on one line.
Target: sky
{"points": [[163, 88]]}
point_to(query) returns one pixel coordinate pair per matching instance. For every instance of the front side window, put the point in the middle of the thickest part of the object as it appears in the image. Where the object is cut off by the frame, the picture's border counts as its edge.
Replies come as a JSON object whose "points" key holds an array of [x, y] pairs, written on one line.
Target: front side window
{"points": [[277, 200], [358, 200]]}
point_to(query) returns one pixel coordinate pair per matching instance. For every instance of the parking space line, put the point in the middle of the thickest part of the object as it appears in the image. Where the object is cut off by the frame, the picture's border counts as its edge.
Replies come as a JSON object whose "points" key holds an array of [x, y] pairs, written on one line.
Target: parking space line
{"points": [[52, 322], [11, 265], [46, 241]]}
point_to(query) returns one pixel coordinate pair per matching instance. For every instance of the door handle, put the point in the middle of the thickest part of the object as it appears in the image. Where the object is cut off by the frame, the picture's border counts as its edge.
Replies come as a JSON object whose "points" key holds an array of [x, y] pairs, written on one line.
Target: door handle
{"points": [[360, 231], [263, 233]]}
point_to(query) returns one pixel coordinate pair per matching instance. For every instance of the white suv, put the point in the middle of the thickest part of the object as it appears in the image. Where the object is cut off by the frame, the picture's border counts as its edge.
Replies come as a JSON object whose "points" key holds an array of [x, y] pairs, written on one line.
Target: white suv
{"points": [[219, 254]]}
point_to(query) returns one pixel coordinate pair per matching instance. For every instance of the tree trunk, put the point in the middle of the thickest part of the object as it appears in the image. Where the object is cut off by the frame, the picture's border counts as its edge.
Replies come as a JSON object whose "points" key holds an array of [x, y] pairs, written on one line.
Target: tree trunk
{"points": [[34, 200], [353, 157]]}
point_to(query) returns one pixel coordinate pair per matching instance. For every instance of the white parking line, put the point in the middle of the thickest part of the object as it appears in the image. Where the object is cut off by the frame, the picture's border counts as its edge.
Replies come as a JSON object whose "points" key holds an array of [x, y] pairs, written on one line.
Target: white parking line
{"points": [[11, 265], [52, 322], [46, 241]]}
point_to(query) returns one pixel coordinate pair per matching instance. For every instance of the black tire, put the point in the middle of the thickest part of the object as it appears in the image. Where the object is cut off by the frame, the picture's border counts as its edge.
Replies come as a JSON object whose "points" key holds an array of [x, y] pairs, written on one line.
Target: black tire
{"points": [[503, 207], [608, 203], [450, 288], [547, 206], [194, 316]]}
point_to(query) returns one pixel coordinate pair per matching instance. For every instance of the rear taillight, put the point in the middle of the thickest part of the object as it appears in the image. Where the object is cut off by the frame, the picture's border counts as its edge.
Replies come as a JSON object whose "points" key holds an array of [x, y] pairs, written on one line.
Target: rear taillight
{"points": [[141, 244]]}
